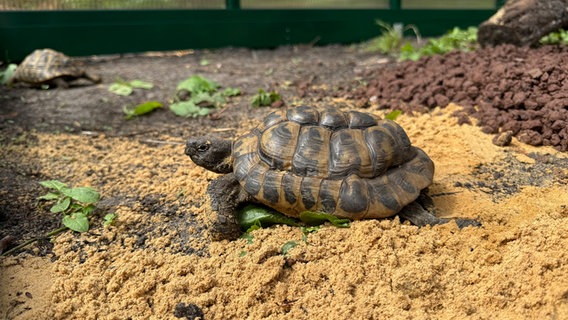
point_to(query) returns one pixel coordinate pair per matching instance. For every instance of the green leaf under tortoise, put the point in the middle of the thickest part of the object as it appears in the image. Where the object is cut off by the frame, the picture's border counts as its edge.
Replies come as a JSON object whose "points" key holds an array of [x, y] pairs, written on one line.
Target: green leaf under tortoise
{"points": [[313, 218], [252, 214]]}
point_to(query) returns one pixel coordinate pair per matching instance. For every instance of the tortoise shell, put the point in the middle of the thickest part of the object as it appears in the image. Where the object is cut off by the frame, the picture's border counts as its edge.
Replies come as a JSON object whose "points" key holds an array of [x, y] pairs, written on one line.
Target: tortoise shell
{"points": [[44, 65], [349, 164]]}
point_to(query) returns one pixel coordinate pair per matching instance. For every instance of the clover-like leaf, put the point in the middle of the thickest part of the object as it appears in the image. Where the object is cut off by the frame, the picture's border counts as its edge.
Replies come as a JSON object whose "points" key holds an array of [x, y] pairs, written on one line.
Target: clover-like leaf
{"points": [[61, 205], [49, 196], [76, 221], [53, 184], [82, 194]]}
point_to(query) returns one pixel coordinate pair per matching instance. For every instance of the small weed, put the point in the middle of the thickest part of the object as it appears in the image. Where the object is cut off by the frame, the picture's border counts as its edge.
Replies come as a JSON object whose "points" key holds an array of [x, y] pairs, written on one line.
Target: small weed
{"points": [[141, 109], [125, 88], [455, 39], [556, 37], [76, 206], [196, 96], [109, 219], [391, 39], [6, 74], [263, 98]]}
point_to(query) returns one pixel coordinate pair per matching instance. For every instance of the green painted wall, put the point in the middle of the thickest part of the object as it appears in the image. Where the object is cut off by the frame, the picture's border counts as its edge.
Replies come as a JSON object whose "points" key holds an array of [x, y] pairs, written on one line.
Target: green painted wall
{"points": [[120, 31]]}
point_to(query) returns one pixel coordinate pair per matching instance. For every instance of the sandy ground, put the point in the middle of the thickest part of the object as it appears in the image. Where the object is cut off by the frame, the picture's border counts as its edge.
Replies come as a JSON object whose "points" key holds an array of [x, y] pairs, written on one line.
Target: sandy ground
{"points": [[152, 260]]}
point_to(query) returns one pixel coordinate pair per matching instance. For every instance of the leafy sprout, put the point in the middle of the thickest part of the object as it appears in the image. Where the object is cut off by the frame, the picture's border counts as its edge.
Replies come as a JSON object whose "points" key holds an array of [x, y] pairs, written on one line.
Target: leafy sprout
{"points": [[455, 39], [196, 96], [391, 39], [75, 204], [263, 98], [556, 37], [6, 74]]}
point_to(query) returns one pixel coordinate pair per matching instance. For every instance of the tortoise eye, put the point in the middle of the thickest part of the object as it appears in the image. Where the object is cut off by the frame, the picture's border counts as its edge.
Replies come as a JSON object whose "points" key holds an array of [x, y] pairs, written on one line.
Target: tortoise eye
{"points": [[203, 147]]}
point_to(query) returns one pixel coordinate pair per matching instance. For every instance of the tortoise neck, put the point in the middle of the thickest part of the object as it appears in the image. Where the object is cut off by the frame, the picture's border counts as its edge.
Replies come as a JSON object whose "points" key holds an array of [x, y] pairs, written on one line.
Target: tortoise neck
{"points": [[224, 149]]}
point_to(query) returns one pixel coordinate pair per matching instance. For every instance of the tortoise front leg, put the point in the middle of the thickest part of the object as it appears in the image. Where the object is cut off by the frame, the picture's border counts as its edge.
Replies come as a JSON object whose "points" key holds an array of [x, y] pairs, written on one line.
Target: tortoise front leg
{"points": [[226, 194]]}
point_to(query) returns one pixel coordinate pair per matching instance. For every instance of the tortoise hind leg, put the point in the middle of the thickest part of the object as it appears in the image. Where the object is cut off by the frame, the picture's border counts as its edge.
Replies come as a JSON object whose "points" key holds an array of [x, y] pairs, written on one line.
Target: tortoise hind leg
{"points": [[226, 194], [418, 216]]}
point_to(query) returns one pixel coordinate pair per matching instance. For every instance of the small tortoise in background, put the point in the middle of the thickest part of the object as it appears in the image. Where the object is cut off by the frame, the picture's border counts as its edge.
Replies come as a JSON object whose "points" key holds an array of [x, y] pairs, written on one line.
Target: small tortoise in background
{"points": [[47, 66], [348, 164]]}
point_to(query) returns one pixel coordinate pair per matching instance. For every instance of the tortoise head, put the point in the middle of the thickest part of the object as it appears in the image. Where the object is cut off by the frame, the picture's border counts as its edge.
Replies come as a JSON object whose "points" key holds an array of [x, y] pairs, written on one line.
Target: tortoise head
{"points": [[211, 154]]}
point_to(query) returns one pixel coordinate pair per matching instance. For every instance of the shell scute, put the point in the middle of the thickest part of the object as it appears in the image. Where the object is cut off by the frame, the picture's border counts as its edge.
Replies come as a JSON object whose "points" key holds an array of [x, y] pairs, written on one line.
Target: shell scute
{"points": [[312, 152], [303, 115]]}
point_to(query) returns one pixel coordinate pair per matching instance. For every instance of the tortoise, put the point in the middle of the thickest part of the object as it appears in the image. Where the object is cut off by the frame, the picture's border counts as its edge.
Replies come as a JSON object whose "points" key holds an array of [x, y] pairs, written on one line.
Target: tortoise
{"points": [[47, 66], [349, 164]]}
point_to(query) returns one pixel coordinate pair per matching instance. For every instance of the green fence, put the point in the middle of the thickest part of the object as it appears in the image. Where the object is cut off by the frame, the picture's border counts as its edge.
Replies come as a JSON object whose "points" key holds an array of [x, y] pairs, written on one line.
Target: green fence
{"points": [[243, 23]]}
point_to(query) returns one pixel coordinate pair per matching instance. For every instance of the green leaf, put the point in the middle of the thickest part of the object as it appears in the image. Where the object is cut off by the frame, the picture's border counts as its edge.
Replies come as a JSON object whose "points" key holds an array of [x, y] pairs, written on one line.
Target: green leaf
{"points": [[316, 218], [308, 230], [393, 115], [61, 205], [249, 237], [109, 218], [7, 73], [263, 98], [82, 194], [204, 62], [188, 109], [141, 84], [288, 246], [142, 109], [49, 196], [87, 210], [76, 221], [196, 84], [53, 184], [251, 215], [230, 92], [121, 89]]}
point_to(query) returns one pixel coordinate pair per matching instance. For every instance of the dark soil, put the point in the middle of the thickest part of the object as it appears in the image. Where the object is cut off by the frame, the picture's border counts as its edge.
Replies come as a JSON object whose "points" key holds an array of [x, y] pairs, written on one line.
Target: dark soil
{"points": [[505, 88]]}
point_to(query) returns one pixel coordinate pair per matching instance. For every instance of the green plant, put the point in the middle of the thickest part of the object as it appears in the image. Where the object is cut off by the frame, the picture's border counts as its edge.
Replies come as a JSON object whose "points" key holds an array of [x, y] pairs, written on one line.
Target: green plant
{"points": [[125, 88], [197, 96], [75, 204], [253, 216], [557, 37], [288, 246], [141, 109], [393, 115], [109, 219], [455, 39], [263, 98], [6, 74], [391, 38]]}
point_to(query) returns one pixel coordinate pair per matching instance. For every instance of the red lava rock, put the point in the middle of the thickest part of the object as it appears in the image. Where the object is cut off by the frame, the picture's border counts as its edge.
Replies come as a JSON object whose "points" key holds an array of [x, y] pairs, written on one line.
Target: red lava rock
{"points": [[522, 90]]}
